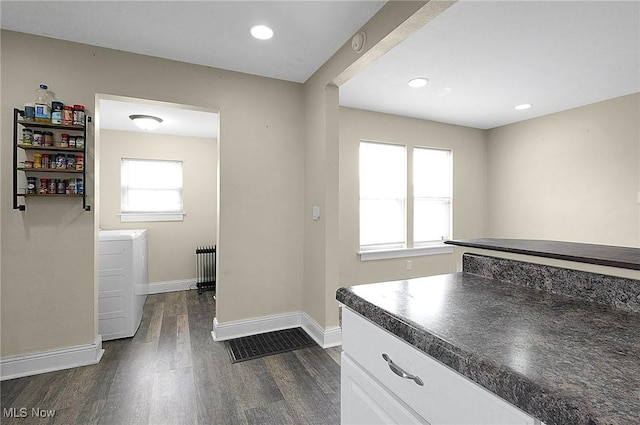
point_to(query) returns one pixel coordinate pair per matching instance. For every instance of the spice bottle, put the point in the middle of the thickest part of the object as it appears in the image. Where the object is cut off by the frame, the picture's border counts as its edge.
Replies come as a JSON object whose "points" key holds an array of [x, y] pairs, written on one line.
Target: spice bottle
{"points": [[47, 138], [44, 186], [79, 162], [31, 185], [37, 138], [67, 115], [27, 136], [37, 160], [56, 112], [78, 114]]}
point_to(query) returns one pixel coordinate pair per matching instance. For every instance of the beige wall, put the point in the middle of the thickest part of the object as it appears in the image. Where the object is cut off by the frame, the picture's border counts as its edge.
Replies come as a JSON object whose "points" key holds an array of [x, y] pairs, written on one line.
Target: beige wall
{"points": [[469, 189], [49, 277], [171, 244], [571, 176], [393, 23]]}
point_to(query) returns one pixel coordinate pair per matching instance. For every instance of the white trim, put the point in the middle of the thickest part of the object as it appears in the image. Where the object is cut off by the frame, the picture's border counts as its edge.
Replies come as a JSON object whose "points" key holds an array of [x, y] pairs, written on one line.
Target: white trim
{"points": [[240, 328], [172, 286], [383, 254], [51, 360], [323, 337], [126, 217]]}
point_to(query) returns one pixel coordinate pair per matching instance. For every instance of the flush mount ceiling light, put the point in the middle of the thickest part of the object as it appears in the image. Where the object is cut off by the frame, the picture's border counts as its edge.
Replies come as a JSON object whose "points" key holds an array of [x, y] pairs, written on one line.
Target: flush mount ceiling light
{"points": [[523, 106], [418, 82], [146, 122], [261, 32]]}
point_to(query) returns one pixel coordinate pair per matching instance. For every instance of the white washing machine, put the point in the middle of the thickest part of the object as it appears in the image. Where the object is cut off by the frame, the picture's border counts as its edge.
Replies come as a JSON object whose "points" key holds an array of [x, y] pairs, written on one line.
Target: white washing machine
{"points": [[123, 282]]}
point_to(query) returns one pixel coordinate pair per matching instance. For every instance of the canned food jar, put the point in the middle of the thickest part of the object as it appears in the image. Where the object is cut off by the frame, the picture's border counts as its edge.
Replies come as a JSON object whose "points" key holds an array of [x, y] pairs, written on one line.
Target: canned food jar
{"points": [[71, 162], [79, 186], [72, 141], [72, 188], [64, 140], [61, 187], [29, 112], [47, 138], [53, 184], [56, 112], [31, 185], [37, 160], [79, 142], [38, 138], [78, 114], [67, 115], [27, 136], [44, 186], [45, 160], [61, 161], [79, 162]]}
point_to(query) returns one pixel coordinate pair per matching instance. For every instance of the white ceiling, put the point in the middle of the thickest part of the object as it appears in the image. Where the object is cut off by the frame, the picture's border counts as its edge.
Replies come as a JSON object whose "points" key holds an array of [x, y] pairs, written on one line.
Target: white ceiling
{"points": [[485, 57], [176, 119], [482, 57]]}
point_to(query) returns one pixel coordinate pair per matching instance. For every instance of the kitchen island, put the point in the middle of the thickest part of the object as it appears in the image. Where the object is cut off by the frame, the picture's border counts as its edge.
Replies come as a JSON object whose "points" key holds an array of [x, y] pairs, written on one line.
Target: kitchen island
{"points": [[568, 357]]}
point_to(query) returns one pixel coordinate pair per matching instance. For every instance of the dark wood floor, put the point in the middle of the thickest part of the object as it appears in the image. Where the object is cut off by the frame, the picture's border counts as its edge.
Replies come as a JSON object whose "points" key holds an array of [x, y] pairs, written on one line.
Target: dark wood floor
{"points": [[172, 372]]}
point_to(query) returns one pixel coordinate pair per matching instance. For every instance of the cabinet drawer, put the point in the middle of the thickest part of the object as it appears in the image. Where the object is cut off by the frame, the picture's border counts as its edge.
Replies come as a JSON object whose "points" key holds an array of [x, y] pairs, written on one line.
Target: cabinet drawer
{"points": [[446, 397], [365, 402]]}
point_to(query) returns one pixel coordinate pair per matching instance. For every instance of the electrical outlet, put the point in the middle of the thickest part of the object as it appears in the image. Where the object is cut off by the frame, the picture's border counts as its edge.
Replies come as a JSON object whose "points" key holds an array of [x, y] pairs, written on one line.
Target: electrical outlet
{"points": [[409, 264]]}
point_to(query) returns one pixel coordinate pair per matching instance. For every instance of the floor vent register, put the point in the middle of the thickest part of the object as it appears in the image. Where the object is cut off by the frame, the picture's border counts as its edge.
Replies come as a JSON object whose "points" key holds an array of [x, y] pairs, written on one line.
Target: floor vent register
{"points": [[267, 344]]}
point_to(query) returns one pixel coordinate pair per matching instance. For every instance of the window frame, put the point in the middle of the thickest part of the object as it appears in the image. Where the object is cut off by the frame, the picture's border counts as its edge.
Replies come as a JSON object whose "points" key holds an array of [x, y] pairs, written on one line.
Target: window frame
{"points": [[151, 215], [410, 249]]}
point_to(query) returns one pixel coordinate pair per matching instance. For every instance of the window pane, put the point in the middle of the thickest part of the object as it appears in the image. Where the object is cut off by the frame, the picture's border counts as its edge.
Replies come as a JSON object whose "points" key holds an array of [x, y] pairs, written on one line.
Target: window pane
{"points": [[145, 200], [432, 195], [431, 173], [381, 223], [382, 171], [430, 220], [151, 186], [383, 188]]}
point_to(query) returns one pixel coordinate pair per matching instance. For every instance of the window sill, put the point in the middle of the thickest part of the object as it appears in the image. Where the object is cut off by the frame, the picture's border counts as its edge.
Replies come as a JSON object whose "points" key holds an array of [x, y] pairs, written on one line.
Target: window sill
{"points": [[139, 217], [385, 254]]}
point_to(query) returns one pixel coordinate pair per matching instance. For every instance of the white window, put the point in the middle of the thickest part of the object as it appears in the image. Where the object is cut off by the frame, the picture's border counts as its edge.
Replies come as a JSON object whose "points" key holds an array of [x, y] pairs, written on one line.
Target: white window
{"points": [[151, 190], [431, 196], [405, 200], [383, 195]]}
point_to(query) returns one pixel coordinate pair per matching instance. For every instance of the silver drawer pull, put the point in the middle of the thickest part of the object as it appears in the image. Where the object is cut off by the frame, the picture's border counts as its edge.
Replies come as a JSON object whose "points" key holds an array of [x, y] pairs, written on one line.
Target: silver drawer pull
{"points": [[400, 372]]}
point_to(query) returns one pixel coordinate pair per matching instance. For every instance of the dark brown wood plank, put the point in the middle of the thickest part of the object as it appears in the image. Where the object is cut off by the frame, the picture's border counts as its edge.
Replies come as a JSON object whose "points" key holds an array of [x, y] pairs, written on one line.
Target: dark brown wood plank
{"points": [[173, 372]]}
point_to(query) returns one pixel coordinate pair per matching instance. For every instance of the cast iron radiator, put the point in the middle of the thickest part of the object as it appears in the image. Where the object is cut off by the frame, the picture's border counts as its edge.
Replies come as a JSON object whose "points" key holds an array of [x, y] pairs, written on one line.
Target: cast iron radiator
{"points": [[206, 268]]}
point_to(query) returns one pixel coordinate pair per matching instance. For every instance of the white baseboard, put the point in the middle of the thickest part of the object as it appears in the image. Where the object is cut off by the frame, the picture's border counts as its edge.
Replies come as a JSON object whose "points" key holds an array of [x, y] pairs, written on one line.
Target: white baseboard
{"points": [[51, 360], [323, 337], [171, 286], [258, 325]]}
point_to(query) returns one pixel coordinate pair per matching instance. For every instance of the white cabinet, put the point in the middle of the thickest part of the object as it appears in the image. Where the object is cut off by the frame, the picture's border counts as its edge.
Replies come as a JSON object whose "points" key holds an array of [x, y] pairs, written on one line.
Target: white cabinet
{"points": [[366, 402], [123, 282], [387, 381]]}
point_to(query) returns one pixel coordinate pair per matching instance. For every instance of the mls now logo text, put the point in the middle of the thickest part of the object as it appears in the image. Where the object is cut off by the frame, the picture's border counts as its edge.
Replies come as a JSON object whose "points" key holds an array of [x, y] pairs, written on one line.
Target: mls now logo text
{"points": [[23, 412]]}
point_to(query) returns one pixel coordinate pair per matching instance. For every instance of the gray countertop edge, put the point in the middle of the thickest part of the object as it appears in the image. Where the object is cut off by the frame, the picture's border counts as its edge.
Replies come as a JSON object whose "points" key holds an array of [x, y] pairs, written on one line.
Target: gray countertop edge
{"points": [[604, 255], [542, 403]]}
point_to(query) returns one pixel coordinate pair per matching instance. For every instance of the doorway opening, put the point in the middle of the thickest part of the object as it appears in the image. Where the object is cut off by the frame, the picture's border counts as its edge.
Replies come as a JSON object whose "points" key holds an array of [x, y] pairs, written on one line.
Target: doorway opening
{"points": [[188, 135]]}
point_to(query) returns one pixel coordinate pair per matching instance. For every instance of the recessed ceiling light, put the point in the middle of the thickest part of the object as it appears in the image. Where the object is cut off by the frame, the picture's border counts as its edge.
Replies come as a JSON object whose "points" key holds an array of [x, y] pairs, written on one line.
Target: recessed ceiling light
{"points": [[261, 32], [418, 82], [146, 122], [523, 106]]}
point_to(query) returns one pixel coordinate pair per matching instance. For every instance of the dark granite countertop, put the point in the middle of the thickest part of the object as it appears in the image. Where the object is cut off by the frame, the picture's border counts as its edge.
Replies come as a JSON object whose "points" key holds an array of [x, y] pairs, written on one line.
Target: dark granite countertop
{"points": [[562, 360], [605, 255]]}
